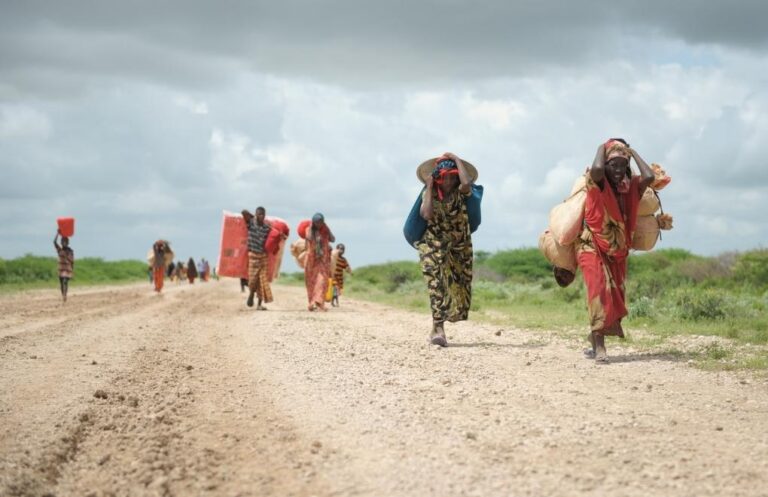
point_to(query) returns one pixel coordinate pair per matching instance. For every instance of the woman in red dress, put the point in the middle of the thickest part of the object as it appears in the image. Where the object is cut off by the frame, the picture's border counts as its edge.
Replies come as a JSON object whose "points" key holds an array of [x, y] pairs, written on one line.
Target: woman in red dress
{"points": [[610, 217]]}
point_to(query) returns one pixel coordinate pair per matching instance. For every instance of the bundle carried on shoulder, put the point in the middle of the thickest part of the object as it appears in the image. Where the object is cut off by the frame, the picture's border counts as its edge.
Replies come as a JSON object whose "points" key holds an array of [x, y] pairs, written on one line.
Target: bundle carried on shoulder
{"points": [[651, 218], [299, 251], [168, 255], [565, 219], [562, 256]]}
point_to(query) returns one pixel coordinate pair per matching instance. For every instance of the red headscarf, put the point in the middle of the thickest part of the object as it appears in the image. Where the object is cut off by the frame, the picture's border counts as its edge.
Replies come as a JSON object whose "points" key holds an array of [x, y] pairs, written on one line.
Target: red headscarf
{"points": [[443, 167]]}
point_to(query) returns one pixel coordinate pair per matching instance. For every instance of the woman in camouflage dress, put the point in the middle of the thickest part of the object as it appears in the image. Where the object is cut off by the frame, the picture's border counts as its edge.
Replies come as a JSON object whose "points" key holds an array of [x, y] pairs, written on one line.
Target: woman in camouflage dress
{"points": [[445, 249]]}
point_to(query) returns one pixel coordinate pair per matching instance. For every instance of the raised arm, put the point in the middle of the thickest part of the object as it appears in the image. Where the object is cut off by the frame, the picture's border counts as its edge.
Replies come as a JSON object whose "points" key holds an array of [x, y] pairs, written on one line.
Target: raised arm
{"points": [[597, 171], [426, 204], [247, 216], [646, 174], [56, 240], [465, 181]]}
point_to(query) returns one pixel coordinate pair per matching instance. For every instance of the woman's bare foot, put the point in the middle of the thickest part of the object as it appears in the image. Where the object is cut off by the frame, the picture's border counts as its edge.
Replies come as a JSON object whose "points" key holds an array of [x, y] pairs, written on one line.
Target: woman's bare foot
{"points": [[437, 336], [590, 352], [601, 355]]}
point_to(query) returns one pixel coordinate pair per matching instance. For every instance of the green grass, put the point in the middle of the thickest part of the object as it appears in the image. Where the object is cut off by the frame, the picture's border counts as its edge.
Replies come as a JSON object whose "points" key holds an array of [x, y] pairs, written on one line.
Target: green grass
{"points": [[31, 272], [671, 293]]}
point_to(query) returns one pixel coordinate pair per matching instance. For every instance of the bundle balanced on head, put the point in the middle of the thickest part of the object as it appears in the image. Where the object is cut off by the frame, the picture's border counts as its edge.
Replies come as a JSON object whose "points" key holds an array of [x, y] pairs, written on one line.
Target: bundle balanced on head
{"points": [[66, 263]]}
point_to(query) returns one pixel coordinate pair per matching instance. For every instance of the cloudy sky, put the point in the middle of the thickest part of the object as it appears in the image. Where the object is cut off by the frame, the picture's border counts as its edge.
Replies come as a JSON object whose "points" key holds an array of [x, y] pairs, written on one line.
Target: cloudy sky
{"points": [[147, 119]]}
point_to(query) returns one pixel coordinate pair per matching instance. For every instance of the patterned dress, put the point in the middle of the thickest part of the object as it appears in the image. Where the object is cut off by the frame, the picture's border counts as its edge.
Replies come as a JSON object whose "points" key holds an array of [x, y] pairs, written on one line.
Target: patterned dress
{"points": [[602, 249], [338, 273], [446, 255], [258, 281], [317, 266], [66, 262]]}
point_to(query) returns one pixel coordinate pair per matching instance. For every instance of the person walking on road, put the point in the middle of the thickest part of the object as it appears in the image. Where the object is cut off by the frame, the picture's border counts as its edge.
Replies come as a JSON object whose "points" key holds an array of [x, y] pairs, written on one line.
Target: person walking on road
{"points": [[445, 250], [66, 263], [258, 282]]}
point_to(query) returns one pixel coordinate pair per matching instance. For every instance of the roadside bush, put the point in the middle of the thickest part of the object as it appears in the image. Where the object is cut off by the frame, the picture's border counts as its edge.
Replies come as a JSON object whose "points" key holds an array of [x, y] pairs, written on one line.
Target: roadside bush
{"points": [[696, 305], [390, 276], [642, 307], [526, 264], [752, 268]]}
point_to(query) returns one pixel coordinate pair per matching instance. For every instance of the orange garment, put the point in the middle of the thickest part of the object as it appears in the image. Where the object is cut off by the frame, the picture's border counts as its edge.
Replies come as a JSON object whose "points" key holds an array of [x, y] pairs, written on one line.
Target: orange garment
{"points": [[158, 274], [317, 268], [603, 247]]}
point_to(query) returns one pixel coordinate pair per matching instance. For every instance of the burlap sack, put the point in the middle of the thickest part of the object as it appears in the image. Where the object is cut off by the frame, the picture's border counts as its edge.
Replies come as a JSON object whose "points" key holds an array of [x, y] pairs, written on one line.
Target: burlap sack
{"points": [[563, 256], [646, 233], [565, 219], [649, 203], [167, 257], [299, 251]]}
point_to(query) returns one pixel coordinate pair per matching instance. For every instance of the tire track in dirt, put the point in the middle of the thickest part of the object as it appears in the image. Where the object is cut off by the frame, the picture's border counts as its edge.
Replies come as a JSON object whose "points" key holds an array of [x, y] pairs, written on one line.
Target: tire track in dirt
{"points": [[205, 396]]}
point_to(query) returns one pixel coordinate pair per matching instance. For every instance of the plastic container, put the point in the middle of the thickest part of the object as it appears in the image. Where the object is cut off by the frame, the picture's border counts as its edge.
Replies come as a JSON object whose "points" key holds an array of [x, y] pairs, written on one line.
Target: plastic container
{"points": [[66, 226], [233, 254]]}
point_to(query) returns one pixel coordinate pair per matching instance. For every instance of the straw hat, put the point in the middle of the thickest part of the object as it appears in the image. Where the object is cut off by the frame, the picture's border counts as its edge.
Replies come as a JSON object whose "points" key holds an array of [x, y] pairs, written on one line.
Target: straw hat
{"points": [[426, 168]]}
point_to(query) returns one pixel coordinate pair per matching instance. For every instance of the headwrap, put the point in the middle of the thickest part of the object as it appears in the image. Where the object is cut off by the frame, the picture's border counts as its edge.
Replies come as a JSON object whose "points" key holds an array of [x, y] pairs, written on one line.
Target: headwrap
{"points": [[316, 234], [613, 149], [443, 168]]}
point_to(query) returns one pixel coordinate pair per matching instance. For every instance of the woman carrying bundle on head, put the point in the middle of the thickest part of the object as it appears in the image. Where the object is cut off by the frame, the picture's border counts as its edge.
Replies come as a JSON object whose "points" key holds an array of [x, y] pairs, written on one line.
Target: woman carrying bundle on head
{"points": [[66, 263], [610, 218], [317, 266], [445, 249]]}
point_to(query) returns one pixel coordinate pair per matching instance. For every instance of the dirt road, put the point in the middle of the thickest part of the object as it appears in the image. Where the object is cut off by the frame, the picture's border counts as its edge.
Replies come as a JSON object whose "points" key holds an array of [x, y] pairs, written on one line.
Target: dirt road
{"points": [[122, 392]]}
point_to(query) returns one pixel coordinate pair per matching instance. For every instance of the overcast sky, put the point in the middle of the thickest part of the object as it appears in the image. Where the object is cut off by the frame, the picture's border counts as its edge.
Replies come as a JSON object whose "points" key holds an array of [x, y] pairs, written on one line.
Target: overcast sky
{"points": [[145, 120]]}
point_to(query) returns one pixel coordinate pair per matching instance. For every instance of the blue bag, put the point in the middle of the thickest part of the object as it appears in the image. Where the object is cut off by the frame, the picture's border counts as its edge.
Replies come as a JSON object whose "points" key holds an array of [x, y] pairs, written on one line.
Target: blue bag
{"points": [[415, 225]]}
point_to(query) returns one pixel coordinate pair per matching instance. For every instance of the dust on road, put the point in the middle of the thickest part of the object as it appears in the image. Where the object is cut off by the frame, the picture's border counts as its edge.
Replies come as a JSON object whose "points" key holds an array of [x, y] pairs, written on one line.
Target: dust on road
{"points": [[122, 392]]}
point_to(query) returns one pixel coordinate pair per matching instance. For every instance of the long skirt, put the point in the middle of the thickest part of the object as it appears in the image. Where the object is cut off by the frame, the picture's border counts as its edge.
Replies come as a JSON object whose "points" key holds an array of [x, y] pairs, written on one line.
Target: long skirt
{"points": [[158, 275], [604, 279], [447, 271], [258, 282], [316, 275]]}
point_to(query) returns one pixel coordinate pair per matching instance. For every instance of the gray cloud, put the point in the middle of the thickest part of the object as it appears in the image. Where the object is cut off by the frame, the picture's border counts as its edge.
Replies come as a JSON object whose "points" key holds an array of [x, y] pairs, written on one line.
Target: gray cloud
{"points": [[145, 120], [49, 48]]}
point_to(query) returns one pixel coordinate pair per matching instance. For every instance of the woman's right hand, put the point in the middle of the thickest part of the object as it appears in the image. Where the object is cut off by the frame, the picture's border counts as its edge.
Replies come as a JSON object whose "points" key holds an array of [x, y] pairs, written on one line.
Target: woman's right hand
{"points": [[430, 181]]}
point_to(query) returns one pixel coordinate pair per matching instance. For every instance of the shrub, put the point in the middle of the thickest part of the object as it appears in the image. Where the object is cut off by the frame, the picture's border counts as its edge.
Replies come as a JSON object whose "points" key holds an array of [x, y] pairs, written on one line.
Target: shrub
{"points": [[525, 264], [695, 305], [641, 308], [752, 269]]}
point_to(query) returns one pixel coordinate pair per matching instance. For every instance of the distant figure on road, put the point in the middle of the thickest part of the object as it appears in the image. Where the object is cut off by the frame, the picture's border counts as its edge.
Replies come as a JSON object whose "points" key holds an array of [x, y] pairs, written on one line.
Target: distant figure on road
{"points": [[445, 249], [180, 272], [159, 249], [201, 269], [339, 265], [258, 282], [191, 271], [66, 263], [610, 218], [317, 267], [171, 271]]}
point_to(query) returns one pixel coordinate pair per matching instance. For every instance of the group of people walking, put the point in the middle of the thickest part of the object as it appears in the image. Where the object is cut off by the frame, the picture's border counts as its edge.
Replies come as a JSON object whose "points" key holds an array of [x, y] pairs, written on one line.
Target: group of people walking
{"points": [[444, 245], [161, 265], [320, 275]]}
